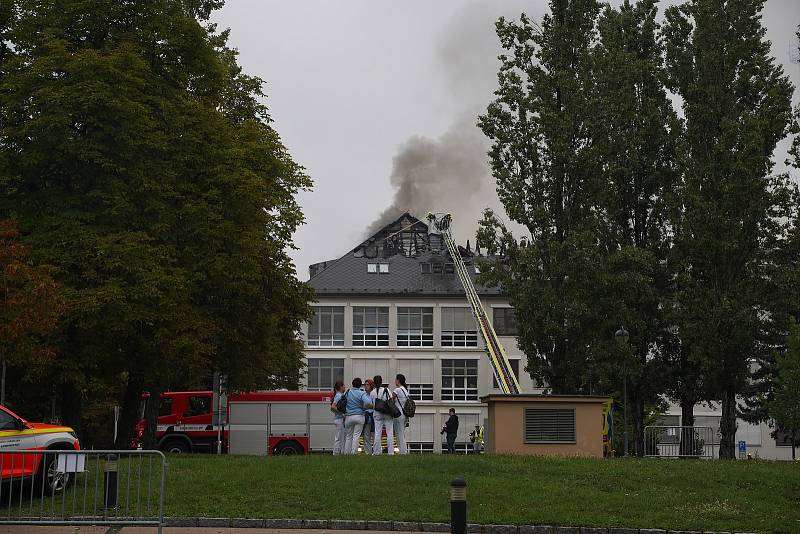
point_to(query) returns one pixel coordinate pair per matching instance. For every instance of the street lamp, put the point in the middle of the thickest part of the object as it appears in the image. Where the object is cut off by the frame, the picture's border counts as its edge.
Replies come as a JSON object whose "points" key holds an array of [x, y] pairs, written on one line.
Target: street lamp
{"points": [[623, 336]]}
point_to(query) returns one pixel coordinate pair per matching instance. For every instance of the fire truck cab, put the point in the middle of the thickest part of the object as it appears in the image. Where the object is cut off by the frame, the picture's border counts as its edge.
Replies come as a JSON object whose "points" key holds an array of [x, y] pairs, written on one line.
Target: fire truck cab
{"points": [[267, 422]]}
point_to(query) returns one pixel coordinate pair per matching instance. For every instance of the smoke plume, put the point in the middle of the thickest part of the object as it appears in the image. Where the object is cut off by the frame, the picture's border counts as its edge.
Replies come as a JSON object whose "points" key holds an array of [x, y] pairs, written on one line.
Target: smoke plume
{"points": [[450, 173]]}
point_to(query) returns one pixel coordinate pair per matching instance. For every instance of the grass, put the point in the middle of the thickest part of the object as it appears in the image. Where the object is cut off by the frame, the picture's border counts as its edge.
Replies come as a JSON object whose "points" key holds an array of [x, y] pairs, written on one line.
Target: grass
{"points": [[675, 494]]}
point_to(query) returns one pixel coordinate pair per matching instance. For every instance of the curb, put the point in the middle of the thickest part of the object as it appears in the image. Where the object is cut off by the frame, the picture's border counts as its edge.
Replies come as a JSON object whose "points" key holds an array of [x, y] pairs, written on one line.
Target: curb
{"points": [[411, 526]]}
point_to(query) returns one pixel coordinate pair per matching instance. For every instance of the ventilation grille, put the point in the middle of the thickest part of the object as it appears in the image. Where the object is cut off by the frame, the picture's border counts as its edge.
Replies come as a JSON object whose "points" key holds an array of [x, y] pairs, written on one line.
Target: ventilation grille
{"points": [[549, 425]]}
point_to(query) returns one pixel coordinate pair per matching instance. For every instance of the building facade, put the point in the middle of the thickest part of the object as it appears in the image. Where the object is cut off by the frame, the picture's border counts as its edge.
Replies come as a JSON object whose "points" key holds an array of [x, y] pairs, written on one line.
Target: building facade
{"points": [[395, 305]]}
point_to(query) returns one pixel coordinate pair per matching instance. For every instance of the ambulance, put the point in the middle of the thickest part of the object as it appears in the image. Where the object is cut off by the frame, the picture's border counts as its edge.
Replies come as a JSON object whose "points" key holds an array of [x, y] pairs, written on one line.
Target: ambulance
{"points": [[18, 434]]}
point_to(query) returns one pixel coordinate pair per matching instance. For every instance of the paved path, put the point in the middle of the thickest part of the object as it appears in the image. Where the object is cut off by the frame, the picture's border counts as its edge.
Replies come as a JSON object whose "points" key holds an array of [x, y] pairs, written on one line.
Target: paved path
{"points": [[167, 530]]}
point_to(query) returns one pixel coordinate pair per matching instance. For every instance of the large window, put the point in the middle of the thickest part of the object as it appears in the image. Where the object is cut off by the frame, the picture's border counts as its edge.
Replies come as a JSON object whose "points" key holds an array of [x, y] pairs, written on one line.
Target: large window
{"points": [[414, 327], [370, 326], [549, 425], [504, 321], [323, 372], [458, 328], [459, 380], [327, 327], [514, 369]]}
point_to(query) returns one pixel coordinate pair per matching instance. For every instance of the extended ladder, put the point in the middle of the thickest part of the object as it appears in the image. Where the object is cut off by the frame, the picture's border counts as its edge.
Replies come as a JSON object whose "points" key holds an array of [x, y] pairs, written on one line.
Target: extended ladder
{"points": [[494, 349]]}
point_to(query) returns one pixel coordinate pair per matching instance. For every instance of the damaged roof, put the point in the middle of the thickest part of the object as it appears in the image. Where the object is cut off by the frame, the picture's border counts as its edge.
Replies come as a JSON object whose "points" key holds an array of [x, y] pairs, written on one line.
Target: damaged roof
{"points": [[417, 265]]}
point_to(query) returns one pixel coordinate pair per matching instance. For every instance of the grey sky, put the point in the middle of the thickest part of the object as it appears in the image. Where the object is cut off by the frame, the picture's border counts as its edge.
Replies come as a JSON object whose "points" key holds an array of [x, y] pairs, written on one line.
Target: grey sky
{"points": [[350, 81]]}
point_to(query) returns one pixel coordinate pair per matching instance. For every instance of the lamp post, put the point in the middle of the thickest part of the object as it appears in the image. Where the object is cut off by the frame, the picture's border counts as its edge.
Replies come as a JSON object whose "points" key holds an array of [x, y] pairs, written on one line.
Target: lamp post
{"points": [[623, 336]]}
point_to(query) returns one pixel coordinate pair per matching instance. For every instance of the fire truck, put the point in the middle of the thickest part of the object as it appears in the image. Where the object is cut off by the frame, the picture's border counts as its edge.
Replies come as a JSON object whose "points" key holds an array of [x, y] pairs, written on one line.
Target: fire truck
{"points": [[266, 422]]}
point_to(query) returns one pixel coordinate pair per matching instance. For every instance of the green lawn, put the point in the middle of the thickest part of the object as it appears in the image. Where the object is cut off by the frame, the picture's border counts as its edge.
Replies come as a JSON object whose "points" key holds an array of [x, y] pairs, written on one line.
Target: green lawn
{"points": [[677, 494]]}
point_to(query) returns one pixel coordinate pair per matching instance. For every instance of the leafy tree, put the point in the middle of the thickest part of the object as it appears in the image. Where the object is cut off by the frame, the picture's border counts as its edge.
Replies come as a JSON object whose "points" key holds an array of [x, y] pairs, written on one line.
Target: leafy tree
{"points": [[138, 157], [30, 306], [736, 102], [634, 132], [784, 407], [544, 161]]}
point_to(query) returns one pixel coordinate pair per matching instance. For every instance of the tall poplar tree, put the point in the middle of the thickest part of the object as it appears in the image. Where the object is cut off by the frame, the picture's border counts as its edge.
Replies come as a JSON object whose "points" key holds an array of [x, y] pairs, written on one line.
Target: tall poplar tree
{"points": [[635, 135], [737, 105], [544, 161]]}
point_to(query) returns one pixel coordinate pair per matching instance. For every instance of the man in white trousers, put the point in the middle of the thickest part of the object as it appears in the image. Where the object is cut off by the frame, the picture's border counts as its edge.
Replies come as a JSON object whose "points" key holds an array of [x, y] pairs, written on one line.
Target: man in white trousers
{"points": [[357, 402], [382, 420]]}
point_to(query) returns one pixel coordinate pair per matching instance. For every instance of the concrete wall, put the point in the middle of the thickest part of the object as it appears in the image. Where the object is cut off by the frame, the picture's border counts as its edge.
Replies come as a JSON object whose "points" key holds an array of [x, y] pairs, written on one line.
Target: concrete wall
{"points": [[506, 433]]}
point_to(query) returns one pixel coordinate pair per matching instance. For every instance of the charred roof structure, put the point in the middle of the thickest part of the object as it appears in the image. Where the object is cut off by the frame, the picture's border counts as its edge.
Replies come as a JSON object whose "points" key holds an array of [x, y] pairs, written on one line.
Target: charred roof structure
{"points": [[405, 257]]}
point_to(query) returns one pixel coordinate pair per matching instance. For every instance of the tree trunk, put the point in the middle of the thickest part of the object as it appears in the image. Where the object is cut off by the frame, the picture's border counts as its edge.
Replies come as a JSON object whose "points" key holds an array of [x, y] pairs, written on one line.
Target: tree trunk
{"points": [[151, 418], [638, 422], [687, 419], [727, 426], [129, 413], [794, 442], [71, 408]]}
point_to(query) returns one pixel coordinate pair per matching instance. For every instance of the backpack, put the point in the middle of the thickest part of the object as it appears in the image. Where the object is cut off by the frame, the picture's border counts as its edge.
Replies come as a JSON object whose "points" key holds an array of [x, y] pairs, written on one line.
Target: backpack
{"points": [[341, 404], [409, 406], [386, 405]]}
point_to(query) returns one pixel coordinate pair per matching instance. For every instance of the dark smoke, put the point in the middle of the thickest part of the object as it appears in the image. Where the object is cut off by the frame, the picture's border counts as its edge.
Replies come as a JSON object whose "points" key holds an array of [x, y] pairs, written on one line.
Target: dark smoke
{"points": [[451, 173]]}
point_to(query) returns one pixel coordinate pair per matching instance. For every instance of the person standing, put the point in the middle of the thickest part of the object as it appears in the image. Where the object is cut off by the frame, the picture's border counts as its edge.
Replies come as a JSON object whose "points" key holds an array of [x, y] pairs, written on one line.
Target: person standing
{"points": [[369, 417], [338, 418], [400, 395], [450, 431], [382, 420], [357, 402]]}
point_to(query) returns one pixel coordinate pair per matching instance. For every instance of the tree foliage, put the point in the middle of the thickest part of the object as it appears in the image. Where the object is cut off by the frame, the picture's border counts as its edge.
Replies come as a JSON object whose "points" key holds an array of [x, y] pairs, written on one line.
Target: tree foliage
{"points": [[784, 407], [737, 106], [139, 158]]}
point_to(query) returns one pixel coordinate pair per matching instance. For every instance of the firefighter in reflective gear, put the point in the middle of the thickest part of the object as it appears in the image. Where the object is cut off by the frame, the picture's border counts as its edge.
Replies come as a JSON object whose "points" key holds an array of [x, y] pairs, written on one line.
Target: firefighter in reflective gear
{"points": [[476, 438]]}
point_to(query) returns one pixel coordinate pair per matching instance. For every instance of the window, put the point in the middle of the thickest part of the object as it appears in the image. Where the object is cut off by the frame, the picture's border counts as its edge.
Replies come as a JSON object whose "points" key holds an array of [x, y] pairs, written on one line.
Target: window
{"points": [[460, 447], [504, 321], [414, 327], [370, 326], [458, 328], [514, 369], [449, 268], [327, 327], [198, 406], [374, 268], [784, 439], [7, 421], [437, 268], [425, 268], [549, 425], [164, 407], [323, 372], [421, 392], [419, 447], [460, 380]]}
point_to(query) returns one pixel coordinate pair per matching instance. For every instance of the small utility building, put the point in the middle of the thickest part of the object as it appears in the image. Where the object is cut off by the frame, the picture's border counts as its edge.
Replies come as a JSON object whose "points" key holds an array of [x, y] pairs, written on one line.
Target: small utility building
{"points": [[535, 424]]}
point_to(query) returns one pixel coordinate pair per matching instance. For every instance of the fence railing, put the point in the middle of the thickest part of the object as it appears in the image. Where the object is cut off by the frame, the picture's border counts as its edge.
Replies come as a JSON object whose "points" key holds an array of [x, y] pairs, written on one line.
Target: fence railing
{"points": [[680, 442], [65, 487]]}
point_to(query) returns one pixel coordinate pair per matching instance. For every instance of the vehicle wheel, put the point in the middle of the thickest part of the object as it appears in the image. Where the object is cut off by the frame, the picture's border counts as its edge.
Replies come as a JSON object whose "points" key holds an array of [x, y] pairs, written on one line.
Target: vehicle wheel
{"points": [[175, 446], [286, 448], [53, 481]]}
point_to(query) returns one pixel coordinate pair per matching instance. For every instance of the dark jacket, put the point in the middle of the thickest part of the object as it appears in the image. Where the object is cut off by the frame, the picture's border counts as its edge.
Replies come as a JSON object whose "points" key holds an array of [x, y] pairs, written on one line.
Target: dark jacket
{"points": [[451, 426]]}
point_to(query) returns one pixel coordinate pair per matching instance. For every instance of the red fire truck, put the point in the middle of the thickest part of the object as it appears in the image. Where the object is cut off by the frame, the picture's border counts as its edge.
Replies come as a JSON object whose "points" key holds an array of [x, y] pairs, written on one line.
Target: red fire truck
{"points": [[267, 422]]}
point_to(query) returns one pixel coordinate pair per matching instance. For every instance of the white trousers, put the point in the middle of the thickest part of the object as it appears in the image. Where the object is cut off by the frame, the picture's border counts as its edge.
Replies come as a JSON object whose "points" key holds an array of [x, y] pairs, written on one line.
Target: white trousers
{"points": [[353, 425], [338, 441], [400, 433], [382, 422]]}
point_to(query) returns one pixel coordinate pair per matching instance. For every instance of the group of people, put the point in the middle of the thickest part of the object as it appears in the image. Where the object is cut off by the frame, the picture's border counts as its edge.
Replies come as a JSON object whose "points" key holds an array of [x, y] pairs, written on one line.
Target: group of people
{"points": [[361, 418]]}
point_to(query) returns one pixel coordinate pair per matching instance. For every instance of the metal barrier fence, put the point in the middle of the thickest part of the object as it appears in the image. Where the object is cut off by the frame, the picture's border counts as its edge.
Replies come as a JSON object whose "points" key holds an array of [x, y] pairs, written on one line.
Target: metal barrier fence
{"points": [[680, 442], [65, 487]]}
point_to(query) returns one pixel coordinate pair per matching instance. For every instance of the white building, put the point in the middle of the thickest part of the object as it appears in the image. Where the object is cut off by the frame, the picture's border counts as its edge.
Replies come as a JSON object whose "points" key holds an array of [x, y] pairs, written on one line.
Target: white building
{"points": [[393, 305]]}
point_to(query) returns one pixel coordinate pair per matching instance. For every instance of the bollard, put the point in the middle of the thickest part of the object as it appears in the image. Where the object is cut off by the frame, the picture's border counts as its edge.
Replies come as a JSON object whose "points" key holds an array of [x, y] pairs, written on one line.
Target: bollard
{"points": [[458, 506], [111, 483]]}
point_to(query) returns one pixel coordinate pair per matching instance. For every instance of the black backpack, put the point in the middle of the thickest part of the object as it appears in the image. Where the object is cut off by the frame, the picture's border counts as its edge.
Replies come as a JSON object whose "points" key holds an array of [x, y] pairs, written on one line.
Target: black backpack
{"points": [[409, 406], [341, 404]]}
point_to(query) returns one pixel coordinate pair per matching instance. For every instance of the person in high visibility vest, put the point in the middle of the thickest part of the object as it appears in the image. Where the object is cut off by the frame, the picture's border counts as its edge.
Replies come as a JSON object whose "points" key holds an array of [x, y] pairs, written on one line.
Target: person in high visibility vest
{"points": [[476, 438]]}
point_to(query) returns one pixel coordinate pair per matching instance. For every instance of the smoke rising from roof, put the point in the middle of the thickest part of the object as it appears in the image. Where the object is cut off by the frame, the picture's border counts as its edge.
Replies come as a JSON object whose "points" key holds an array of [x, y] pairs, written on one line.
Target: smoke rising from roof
{"points": [[451, 173]]}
